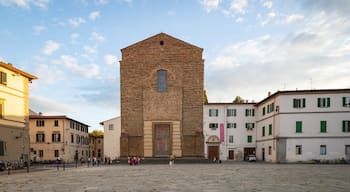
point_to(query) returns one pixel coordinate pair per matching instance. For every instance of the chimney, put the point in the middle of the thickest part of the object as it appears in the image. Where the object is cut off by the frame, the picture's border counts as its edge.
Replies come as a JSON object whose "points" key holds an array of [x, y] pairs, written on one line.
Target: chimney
{"points": [[269, 94], [40, 113]]}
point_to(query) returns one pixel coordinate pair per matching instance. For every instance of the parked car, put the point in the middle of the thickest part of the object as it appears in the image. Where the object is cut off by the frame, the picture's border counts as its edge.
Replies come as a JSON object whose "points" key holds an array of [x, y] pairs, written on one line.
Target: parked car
{"points": [[251, 157], [2, 166]]}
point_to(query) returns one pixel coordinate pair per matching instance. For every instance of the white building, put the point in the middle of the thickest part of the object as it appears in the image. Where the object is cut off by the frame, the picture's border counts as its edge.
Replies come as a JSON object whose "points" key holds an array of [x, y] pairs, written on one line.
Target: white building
{"points": [[111, 142], [303, 125], [229, 130]]}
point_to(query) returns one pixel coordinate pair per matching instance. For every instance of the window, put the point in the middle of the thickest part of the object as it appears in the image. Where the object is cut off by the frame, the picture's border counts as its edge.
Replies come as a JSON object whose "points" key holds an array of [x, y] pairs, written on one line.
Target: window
{"points": [[110, 127], [249, 112], [299, 103], [324, 102], [213, 112], [323, 126], [2, 148], [40, 123], [298, 150], [263, 131], [263, 111], [213, 125], [40, 137], [347, 149], [78, 139], [298, 126], [231, 125], [56, 123], [346, 101], [3, 78], [230, 139], [270, 129], [1, 109], [72, 138], [323, 149], [270, 150], [82, 153], [250, 138], [56, 137], [249, 126], [57, 154], [41, 153], [346, 126], [162, 80], [231, 112], [270, 107]]}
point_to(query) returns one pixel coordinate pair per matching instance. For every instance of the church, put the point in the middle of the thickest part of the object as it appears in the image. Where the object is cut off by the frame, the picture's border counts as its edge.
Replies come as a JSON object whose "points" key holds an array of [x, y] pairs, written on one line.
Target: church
{"points": [[162, 80]]}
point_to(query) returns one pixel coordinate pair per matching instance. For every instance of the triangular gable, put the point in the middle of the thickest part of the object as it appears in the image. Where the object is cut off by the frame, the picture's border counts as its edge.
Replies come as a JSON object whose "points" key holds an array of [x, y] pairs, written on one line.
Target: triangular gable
{"points": [[161, 36]]}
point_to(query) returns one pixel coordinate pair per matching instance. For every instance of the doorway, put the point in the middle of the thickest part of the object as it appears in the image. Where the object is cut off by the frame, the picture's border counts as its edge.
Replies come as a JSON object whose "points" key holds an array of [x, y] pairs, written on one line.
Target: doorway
{"points": [[231, 155], [161, 141], [213, 152]]}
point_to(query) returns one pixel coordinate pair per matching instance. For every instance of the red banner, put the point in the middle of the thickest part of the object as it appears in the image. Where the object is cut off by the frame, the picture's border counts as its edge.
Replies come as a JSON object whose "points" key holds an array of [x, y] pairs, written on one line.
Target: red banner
{"points": [[222, 132]]}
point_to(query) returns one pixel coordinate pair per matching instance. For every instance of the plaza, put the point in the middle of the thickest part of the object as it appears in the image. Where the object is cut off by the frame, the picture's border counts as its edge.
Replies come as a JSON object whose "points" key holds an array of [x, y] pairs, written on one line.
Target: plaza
{"points": [[184, 177]]}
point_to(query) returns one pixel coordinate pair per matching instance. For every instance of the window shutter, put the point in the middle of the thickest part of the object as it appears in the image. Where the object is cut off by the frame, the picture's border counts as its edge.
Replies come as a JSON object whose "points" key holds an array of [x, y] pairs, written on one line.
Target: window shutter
{"points": [[304, 102], [209, 112], [59, 137], [294, 103], [37, 137], [246, 112], [235, 112], [216, 125], [246, 125], [343, 126], [43, 137], [234, 125], [318, 102], [344, 100], [328, 102], [253, 112], [53, 137], [253, 125], [216, 112]]}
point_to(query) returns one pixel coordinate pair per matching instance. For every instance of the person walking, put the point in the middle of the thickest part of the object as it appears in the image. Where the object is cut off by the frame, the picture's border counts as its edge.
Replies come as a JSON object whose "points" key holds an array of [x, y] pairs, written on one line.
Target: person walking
{"points": [[172, 159]]}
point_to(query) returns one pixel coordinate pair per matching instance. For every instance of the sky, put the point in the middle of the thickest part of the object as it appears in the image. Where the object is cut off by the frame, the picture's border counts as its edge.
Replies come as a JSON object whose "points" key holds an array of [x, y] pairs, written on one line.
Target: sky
{"points": [[251, 47]]}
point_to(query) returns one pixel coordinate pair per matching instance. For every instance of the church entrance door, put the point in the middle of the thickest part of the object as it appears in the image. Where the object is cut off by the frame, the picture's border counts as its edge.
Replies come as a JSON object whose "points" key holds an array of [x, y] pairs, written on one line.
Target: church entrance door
{"points": [[161, 142]]}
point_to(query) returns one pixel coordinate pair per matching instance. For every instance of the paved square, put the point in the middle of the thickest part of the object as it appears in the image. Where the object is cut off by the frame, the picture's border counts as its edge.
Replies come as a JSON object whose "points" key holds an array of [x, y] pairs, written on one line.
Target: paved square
{"points": [[188, 177]]}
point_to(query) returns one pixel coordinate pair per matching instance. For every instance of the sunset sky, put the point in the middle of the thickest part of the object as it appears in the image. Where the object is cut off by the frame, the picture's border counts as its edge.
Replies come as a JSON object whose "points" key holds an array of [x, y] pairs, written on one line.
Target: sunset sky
{"points": [[250, 47]]}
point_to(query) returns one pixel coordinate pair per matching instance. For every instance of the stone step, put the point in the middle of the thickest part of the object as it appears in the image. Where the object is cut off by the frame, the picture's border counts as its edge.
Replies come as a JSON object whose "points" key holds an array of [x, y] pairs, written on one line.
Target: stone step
{"points": [[161, 160]]}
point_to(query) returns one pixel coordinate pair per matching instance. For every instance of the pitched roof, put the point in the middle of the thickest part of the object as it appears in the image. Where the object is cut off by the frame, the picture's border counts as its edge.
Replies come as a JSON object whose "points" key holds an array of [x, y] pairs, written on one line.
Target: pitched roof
{"points": [[9, 66], [160, 36]]}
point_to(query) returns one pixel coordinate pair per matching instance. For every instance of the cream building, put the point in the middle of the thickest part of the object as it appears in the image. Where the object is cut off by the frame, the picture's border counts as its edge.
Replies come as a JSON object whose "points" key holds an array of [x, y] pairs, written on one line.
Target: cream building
{"points": [[304, 125], [58, 136], [96, 147], [14, 112], [229, 130], [111, 141]]}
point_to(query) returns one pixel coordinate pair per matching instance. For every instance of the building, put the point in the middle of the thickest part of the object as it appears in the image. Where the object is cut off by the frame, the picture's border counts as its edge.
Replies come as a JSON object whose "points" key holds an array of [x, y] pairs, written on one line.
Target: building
{"points": [[96, 147], [162, 98], [304, 125], [58, 136], [111, 140], [14, 113], [229, 130]]}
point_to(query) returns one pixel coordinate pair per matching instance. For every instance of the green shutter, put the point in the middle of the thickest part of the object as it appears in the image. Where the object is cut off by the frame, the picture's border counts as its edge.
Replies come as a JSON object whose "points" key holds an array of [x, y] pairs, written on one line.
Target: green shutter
{"points": [[253, 112], [234, 125], [294, 103], [270, 129], [234, 112], [263, 112], [344, 100], [304, 102], [216, 112], [298, 127], [328, 102], [216, 125], [246, 112], [323, 126], [263, 131], [249, 138], [343, 126], [318, 102]]}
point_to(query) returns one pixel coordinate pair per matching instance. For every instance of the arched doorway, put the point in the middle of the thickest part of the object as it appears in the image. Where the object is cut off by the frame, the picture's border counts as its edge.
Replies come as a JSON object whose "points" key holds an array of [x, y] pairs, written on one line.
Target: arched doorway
{"points": [[213, 144]]}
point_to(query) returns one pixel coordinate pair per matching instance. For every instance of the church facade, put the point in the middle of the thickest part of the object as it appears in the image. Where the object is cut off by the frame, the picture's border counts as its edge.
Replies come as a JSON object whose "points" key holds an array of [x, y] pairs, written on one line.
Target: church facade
{"points": [[162, 98]]}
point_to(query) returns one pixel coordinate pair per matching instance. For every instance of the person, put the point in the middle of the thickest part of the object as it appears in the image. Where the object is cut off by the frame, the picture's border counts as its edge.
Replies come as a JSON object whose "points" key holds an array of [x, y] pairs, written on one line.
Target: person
{"points": [[172, 159]]}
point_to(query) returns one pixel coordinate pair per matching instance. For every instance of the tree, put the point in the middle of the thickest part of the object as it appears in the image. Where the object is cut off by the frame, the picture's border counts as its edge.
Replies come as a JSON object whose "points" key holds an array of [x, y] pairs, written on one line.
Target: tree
{"points": [[238, 99], [96, 133], [205, 98]]}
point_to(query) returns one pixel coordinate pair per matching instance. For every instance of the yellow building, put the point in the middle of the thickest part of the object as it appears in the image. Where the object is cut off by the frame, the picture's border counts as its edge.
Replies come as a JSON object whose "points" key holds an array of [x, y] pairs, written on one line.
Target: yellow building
{"points": [[14, 113], [53, 137]]}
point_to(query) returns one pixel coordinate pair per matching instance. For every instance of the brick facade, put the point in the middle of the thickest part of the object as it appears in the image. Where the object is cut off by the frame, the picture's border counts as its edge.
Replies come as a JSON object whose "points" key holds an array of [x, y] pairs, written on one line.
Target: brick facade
{"points": [[142, 106]]}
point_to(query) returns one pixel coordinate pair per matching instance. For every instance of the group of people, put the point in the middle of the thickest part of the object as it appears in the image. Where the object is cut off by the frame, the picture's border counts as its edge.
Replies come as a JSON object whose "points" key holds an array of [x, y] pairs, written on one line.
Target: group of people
{"points": [[94, 161], [134, 160]]}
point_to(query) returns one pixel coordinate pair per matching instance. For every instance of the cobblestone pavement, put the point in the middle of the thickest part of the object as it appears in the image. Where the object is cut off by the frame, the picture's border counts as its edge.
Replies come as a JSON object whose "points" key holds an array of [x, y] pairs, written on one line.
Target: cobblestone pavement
{"points": [[185, 177]]}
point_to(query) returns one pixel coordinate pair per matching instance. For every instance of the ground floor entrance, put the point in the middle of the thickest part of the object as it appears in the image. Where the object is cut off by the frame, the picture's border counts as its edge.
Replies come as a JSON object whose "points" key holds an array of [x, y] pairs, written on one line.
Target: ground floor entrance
{"points": [[231, 154], [213, 152], [161, 142], [248, 151]]}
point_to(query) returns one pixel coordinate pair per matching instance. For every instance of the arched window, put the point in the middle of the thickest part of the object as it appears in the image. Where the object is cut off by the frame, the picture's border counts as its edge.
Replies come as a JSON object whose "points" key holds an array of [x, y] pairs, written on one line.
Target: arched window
{"points": [[162, 81]]}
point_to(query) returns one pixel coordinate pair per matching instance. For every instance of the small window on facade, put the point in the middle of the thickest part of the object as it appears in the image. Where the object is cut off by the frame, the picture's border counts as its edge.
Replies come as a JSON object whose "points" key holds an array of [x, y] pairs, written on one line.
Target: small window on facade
{"points": [[270, 129], [323, 150], [324, 102], [230, 139], [40, 123], [41, 153], [298, 150], [3, 78], [2, 148], [299, 127], [250, 138], [162, 80], [213, 112], [110, 127], [231, 112], [57, 153], [299, 103], [56, 123], [270, 150], [346, 101], [213, 125]]}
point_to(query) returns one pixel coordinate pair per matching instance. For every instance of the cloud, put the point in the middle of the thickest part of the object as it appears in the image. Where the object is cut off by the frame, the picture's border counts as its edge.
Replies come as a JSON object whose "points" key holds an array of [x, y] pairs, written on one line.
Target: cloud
{"points": [[38, 29], [210, 5], [49, 74], [269, 17], [97, 37], [48, 106], [110, 59], [267, 4], [90, 50], [319, 50], [294, 18], [239, 6], [50, 47], [25, 3], [2, 59], [101, 2], [76, 22], [71, 63], [94, 15]]}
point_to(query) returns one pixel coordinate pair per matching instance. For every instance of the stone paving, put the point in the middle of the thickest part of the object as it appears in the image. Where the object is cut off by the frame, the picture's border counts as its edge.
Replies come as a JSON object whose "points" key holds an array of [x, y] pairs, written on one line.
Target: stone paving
{"points": [[185, 177]]}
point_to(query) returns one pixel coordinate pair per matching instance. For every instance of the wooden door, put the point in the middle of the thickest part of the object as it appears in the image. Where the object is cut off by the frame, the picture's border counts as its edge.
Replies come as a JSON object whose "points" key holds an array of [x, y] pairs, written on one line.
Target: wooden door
{"points": [[231, 154], [213, 151], [161, 140]]}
